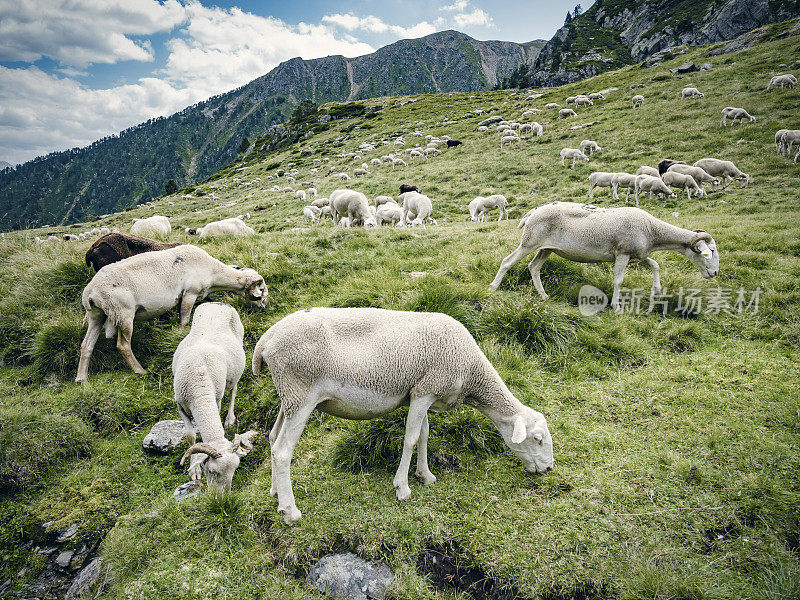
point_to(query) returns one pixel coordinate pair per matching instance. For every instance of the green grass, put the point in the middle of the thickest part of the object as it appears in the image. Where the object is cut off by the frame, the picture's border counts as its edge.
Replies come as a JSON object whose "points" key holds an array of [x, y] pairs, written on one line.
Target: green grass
{"points": [[676, 437]]}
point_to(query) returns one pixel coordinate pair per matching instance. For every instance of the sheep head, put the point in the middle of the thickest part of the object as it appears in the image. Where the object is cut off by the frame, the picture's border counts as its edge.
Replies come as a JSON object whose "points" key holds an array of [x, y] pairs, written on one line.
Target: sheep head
{"points": [[219, 459], [527, 435], [702, 252], [255, 289]]}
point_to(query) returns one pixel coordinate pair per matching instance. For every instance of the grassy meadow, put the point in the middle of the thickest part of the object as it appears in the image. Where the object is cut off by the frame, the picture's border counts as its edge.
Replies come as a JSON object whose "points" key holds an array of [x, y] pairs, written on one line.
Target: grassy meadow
{"points": [[676, 437]]}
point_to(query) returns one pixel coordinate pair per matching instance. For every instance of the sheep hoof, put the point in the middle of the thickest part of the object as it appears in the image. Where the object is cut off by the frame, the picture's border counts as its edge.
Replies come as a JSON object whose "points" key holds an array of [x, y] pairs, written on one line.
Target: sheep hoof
{"points": [[229, 422], [291, 515], [403, 492], [273, 491], [493, 287], [140, 371], [426, 478]]}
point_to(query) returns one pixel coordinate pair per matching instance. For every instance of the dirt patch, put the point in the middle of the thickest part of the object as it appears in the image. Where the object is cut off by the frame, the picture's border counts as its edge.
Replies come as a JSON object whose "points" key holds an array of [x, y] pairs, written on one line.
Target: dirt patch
{"points": [[715, 536]]}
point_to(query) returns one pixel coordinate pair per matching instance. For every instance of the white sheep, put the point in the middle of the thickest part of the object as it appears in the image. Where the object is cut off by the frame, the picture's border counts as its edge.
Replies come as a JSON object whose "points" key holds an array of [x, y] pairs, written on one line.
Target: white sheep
{"points": [[351, 204], [551, 105], [645, 170], [583, 101], [691, 92], [686, 183], [586, 233], [399, 162], [344, 177], [574, 154], [596, 96], [375, 162], [566, 112], [570, 99], [733, 113], [320, 202], [696, 173], [360, 172], [300, 194], [70, 237], [789, 138], [779, 140], [233, 226], [389, 212], [362, 363], [480, 207], [600, 179], [508, 140], [418, 204], [288, 189], [156, 225], [382, 200], [625, 180], [482, 128], [650, 184], [788, 80], [147, 285], [724, 169], [209, 362], [311, 213], [591, 145], [637, 100]]}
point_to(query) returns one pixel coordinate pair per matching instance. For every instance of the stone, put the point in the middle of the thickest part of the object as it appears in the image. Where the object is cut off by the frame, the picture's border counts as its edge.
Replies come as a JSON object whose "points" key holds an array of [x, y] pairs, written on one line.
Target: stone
{"points": [[187, 490], [68, 533], [416, 274], [164, 436], [85, 579], [582, 125], [346, 575], [64, 558], [687, 67], [490, 120], [706, 67]]}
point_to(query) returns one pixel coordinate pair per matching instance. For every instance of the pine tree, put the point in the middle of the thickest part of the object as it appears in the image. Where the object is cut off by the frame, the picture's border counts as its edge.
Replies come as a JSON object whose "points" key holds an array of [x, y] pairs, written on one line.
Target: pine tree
{"points": [[568, 20], [171, 187], [577, 12], [244, 145]]}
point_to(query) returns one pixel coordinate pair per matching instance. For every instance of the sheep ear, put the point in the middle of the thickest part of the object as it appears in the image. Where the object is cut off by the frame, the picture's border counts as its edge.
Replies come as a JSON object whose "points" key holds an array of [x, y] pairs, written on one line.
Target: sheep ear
{"points": [[520, 433]]}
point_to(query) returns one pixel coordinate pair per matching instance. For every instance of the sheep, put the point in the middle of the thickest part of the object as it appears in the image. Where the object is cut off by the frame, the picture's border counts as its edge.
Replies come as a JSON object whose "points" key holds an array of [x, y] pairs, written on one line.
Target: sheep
{"points": [[789, 139], [156, 225], [113, 247], [665, 164], [586, 233], [788, 80], [360, 172], [570, 99], [645, 170], [399, 162], [320, 202], [566, 112], [637, 100], [600, 179], [362, 363], [625, 180], [696, 173], [453, 143], [147, 285], [417, 203], [691, 92], [382, 200], [508, 139], [69, 237], [326, 211], [648, 183], [389, 212], [733, 113], [551, 105], [209, 362], [288, 189], [375, 162], [480, 206], [344, 177], [574, 154], [300, 194], [482, 128], [596, 96], [779, 139], [407, 187], [311, 213], [583, 101], [724, 169], [352, 204], [233, 226], [683, 181], [591, 145]]}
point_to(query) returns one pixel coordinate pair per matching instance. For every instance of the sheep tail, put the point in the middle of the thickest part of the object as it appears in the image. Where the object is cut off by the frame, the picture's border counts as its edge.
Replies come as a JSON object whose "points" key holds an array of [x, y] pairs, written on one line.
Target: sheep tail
{"points": [[258, 359]]}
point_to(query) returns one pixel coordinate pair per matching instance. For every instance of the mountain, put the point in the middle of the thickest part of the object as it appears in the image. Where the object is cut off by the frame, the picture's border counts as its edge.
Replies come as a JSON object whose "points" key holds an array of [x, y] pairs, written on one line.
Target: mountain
{"points": [[194, 143], [614, 33]]}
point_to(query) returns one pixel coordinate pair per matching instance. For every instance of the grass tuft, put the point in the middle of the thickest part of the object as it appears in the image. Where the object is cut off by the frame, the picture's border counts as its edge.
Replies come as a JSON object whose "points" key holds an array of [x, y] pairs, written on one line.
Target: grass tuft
{"points": [[537, 326]]}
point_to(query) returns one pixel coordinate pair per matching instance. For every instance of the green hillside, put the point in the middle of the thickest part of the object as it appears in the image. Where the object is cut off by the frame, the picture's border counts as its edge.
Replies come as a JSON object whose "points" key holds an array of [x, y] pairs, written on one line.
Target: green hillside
{"points": [[676, 437]]}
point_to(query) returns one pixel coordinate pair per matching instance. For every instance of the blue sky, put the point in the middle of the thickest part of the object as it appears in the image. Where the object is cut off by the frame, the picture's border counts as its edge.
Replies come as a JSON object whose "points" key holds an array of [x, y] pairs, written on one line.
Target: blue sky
{"points": [[73, 71]]}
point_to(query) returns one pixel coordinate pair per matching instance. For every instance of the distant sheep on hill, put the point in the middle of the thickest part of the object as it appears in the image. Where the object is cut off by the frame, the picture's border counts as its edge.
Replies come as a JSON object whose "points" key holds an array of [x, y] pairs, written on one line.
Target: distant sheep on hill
{"points": [[156, 225], [637, 100], [784, 81]]}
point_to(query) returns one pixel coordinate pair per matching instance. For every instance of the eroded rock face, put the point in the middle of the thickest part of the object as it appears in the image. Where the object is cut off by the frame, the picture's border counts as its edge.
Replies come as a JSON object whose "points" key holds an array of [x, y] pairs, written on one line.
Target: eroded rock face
{"points": [[346, 575]]}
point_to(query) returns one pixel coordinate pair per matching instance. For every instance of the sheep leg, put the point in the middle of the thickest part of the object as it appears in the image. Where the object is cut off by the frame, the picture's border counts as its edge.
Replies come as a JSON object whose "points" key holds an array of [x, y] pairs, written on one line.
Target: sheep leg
{"points": [[614, 191], [417, 411], [187, 303], [423, 472], [282, 451], [124, 336], [188, 427], [620, 264], [535, 267], [508, 262], [230, 419], [273, 435], [96, 320], [656, 291]]}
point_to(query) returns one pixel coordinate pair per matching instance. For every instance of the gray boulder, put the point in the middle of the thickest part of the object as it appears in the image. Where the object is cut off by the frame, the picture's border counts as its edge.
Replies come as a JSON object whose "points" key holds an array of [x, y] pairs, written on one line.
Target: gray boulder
{"points": [[186, 490], [490, 120], [164, 437], [687, 67], [346, 575]]}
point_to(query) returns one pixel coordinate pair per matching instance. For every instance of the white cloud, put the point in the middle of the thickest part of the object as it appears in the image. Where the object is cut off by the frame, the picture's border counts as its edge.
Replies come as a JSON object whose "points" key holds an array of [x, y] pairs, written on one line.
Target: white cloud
{"points": [[373, 24], [458, 5], [476, 18]]}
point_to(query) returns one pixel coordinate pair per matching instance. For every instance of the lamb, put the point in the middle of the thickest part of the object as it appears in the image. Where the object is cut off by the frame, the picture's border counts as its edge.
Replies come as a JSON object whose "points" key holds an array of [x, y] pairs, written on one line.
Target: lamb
{"points": [[416, 203], [637, 100], [156, 225], [344, 177], [312, 192], [724, 169], [645, 170], [147, 285], [300, 194], [566, 112], [585, 233], [625, 180], [596, 96], [352, 204], [508, 139], [788, 80], [360, 172], [382, 200], [375, 162], [551, 105], [648, 183], [691, 92], [591, 145], [600, 179], [233, 226], [480, 206], [311, 213], [320, 202], [683, 181], [398, 162], [209, 362], [389, 212], [113, 247], [362, 363], [733, 113], [696, 173], [574, 154], [583, 101]]}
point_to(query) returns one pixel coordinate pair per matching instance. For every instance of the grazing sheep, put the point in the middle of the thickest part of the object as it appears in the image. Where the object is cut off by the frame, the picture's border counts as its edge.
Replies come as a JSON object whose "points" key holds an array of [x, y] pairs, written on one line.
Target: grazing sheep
{"points": [[375, 162], [600, 179], [645, 170], [156, 225], [362, 363], [625, 180], [586, 233], [233, 226], [320, 202], [360, 172], [326, 211], [300, 194], [591, 145], [665, 164], [288, 189], [113, 247], [209, 362], [733, 113], [147, 285], [696, 173], [453, 143], [419, 204], [691, 92], [508, 139], [724, 169], [482, 128], [779, 139], [570, 99], [551, 105], [685, 182], [480, 207], [566, 112], [596, 96], [389, 212], [574, 154], [344, 177], [583, 101], [382, 200], [399, 162], [69, 237], [637, 100], [351, 204], [312, 192], [407, 187], [648, 183], [311, 213], [789, 139], [788, 80]]}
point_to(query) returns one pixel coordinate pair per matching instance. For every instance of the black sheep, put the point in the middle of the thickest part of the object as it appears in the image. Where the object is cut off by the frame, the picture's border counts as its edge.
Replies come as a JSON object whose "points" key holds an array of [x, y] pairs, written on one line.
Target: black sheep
{"points": [[113, 247]]}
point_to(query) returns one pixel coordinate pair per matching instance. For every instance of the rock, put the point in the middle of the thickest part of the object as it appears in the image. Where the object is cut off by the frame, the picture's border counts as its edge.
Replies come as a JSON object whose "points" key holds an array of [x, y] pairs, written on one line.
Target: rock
{"points": [[687, 67], [68, 533], [64, 558], [676, 214], [706, 67], [346, 575], [416, 274], [187, 490], [582, 125], [164, 437], [490, 120], [85, 579]]}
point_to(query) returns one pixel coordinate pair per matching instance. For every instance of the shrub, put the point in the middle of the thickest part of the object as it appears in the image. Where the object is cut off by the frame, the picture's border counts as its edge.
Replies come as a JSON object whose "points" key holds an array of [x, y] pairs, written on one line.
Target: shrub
{"points": [[66, 280], [460, 301], [536, 326]]}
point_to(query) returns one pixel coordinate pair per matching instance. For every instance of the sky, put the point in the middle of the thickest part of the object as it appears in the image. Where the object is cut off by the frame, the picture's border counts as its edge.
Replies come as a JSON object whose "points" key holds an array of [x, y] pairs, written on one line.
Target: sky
{"points": [[73, 71]]}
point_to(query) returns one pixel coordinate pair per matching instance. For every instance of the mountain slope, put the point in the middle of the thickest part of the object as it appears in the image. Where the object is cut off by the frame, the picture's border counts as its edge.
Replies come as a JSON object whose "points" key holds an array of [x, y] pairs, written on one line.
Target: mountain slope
{"points": [[190, 145], [613, 33]]}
